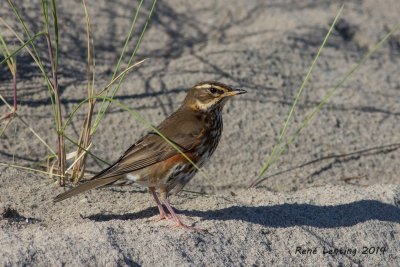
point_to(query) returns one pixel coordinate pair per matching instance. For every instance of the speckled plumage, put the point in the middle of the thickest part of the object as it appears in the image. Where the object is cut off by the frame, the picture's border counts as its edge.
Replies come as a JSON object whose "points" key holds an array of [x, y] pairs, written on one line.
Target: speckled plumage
{"points": [[195, 128]]}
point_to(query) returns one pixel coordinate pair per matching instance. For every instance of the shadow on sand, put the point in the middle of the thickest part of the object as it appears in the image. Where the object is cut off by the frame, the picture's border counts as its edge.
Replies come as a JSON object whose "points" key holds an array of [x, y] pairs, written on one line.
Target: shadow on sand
{"points": [[286, 215]]}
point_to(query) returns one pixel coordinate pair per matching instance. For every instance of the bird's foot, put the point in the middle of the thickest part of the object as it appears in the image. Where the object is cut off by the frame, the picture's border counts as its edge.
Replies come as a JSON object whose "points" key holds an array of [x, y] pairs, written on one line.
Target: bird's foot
{"points": [[160, 217], [175, 217]]}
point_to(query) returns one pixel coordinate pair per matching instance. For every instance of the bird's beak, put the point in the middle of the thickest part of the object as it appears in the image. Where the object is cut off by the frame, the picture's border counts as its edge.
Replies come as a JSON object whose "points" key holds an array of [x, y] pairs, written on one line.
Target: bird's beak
{"points": [[236, 92]]}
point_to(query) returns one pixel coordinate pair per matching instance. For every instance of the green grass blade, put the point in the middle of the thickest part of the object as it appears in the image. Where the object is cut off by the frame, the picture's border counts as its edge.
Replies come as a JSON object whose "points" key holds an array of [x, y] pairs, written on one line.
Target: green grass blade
{"points": [[27, 125], [307, 120], [127, 41], [26, 30], [270, 158], [72, 114], [101, 112], [45, 12], [56, 37], [9, 59], [87, 151], [37, 60], [35, 54], [16, 51], [27, 169], [5, 51]]}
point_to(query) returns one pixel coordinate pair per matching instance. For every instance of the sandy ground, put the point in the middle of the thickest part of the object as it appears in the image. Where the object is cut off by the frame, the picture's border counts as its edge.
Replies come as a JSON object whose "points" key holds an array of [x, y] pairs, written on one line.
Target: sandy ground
{"points": [[264, 47]]}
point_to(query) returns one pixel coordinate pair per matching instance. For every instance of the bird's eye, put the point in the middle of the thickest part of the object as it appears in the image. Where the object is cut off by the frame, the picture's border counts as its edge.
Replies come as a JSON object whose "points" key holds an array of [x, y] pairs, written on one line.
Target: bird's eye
{"points": [[212, 90]]}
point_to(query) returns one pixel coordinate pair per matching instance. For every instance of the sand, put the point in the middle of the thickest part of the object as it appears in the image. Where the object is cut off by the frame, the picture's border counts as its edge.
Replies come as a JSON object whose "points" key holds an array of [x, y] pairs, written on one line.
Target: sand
{"points": [[332, 209]]}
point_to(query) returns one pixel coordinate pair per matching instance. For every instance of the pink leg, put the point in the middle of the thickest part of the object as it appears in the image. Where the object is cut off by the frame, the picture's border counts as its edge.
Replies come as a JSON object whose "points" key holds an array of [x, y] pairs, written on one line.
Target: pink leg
{"points": [[178, 221], [159, 205]]}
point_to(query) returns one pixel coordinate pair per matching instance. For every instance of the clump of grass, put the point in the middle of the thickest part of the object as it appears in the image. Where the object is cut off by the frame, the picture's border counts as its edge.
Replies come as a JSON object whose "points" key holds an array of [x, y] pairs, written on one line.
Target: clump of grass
{"points": [[76, 170], [52, 83], [84, 142], [281, 146], [50, 34]]}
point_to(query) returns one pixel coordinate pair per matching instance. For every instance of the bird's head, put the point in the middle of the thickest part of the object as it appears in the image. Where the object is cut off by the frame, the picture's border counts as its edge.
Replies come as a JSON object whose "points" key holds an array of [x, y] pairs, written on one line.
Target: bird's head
{"points": [[207, 96]]}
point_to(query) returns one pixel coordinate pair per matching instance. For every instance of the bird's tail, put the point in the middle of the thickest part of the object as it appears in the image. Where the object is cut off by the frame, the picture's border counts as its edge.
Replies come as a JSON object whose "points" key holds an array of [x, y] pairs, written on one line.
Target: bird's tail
{"points": [[85, 187]]}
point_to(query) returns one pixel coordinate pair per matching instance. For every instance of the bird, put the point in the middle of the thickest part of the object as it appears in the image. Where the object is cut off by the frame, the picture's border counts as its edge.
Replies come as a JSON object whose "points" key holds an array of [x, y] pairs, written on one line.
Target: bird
{"points": [[195, 128]]}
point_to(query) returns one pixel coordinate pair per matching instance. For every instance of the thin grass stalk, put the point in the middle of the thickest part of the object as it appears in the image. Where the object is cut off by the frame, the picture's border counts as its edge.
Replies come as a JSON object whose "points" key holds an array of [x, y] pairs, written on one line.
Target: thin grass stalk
{"points": [[28, 126], [127, 41], [376, 149], [84, 144], [77, 107], [26, 46], [18, 15], [35, 54], [307, 120], [78, 159], [272, 156], [102, 112], [12, 66], [87, 151], [52, 86], [85, 135], [120, 76], [61, 153], [55, 24], [26, 169], [71, 115], [38, 63], [60, 136], [8, 57]]}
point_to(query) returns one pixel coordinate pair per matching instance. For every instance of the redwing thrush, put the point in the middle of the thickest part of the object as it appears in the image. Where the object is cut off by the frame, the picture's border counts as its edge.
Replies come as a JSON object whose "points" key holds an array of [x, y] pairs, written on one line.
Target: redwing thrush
{"points": [[195, 128]]}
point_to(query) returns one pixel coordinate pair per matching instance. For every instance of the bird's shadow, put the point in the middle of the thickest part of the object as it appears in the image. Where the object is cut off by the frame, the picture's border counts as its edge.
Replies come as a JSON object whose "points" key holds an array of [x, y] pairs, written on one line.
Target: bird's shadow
{"points": [[286, 215]]}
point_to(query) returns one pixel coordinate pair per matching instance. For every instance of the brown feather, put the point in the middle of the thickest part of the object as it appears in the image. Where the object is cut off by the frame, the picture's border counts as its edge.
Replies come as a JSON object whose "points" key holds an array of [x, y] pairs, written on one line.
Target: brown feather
{"points": [[153, 149], [85, 187], [149, 150]]}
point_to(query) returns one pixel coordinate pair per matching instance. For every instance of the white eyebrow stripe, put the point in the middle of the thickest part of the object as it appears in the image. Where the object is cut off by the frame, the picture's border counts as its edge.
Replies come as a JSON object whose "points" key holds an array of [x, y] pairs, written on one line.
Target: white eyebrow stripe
{"points": [[203, 86], [207, 85]]}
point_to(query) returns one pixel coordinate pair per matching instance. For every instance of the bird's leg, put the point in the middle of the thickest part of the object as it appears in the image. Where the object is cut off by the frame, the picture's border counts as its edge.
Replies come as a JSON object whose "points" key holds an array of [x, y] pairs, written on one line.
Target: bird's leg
{"points": [[178, 221], [163, 215]]}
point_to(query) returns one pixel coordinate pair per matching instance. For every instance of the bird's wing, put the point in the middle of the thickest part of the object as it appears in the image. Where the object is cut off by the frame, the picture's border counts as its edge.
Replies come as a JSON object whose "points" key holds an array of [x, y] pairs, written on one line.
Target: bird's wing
{"points": [[149, 150], [152, 148]]}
